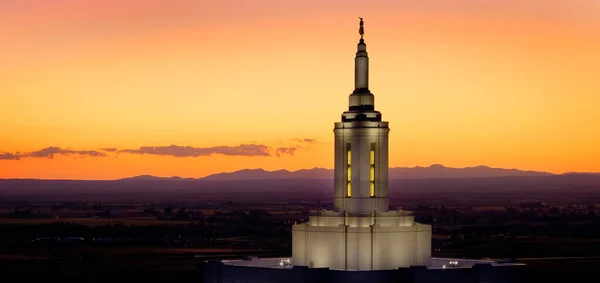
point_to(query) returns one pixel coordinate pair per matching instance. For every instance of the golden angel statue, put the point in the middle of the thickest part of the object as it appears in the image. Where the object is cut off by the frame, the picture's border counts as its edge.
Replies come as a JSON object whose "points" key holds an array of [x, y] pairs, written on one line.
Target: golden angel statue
{"points": [[361, 30]]}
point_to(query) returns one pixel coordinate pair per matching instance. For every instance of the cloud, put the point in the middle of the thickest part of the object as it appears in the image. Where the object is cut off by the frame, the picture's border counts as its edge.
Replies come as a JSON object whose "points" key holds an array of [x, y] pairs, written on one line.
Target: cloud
{"points": [[305, 140], [297, 144], [50, 152], [189, 151], [286, 150], [10, 156], [254, 149], [241, 150]]}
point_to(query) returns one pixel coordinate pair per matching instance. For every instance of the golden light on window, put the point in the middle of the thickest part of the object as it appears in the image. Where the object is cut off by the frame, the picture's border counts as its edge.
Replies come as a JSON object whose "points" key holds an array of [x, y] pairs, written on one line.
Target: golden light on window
{"points": [[372, 170], [349, 156], [349, 189], [349, 169], [349, 173]]}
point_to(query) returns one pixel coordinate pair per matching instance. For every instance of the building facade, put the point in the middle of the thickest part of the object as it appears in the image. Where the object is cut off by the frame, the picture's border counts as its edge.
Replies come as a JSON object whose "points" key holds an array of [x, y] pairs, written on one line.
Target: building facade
{"points": [[361, 240], [361, 233]]}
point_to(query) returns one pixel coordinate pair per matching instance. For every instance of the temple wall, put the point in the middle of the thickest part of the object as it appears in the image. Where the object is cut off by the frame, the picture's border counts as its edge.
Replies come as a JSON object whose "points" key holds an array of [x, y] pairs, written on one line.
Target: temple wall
{"points": [[388, 219], [318, 247], [401, 246], [361, 248]]}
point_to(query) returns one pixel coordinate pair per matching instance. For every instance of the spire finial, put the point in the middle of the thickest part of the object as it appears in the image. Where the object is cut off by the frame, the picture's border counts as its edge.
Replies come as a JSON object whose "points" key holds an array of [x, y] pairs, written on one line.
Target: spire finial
{"points": [[361, 30]]}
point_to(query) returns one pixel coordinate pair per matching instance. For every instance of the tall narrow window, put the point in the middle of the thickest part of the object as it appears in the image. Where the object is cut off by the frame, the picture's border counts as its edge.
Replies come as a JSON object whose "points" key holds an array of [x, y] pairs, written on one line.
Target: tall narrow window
{"points": [[349, 169], [372, 170]]}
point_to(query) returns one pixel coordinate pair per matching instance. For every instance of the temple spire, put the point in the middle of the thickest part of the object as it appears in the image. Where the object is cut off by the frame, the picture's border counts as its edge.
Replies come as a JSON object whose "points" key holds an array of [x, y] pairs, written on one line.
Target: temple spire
{"points": [[361, 63], [361, 98]]}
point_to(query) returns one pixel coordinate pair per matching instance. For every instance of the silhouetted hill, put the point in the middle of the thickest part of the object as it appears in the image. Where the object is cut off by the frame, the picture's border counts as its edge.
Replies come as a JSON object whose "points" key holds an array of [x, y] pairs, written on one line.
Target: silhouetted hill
{"points": [[441, 172], [435, 183], [260, 174], [155, 178], [575, 188], [432, 172]]}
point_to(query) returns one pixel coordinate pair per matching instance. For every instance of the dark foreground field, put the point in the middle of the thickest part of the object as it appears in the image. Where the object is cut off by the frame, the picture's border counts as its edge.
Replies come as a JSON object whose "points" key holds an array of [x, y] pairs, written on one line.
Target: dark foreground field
{"points": [[548, 259], [147, 264], [164, 231]]}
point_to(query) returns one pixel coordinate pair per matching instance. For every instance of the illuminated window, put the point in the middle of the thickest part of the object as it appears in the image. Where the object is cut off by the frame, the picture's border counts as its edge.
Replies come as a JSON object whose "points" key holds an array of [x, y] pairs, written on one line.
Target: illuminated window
{"points": [[372, 170], [349, 170], [349, 155], [349, 188]]}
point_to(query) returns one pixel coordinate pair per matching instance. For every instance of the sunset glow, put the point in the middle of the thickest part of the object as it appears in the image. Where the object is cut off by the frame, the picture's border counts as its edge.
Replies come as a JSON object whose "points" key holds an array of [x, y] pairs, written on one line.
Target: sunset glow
{"points": [[109, 88]]}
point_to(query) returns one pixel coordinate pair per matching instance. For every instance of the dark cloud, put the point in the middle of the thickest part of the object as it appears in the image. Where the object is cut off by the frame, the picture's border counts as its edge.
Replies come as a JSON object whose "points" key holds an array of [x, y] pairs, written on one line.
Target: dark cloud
{"points": [[189, 151], [50, 151], [254, 149], [297, 144], [10, 156], [286, 150], [306, 141]]}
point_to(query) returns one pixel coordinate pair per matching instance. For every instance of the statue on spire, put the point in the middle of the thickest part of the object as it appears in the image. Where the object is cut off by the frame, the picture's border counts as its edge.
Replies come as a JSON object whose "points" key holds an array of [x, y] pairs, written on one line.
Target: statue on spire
{"points": [[361, 30]]}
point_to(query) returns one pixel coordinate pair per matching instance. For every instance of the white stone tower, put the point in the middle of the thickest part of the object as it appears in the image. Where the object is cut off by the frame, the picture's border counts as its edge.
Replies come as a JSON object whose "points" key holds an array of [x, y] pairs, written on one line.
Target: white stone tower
{"points": [[361, 233], [361, 147]]}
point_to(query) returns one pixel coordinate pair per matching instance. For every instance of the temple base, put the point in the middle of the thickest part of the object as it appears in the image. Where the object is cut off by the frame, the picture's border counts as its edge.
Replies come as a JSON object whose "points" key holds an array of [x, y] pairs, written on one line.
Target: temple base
{"points": [[352, 242]]}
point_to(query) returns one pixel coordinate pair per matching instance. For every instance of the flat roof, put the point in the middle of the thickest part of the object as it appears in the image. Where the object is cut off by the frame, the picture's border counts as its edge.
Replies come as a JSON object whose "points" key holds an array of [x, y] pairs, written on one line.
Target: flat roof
{"points": [[278, 262], [435, 263]]}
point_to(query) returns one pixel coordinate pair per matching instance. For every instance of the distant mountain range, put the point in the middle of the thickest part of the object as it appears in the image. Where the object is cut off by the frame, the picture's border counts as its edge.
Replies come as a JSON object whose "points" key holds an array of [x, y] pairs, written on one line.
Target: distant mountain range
{"points": [[436, 183], [432, 172]]}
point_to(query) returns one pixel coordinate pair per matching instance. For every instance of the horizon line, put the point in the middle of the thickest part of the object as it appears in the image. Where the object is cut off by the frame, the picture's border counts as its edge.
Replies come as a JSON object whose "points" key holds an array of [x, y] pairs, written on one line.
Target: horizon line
{"points": [[292, 171]]}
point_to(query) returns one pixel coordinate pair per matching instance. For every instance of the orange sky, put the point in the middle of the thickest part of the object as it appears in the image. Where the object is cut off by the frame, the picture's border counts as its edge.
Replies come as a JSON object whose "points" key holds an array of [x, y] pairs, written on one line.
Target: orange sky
{"points": [[505, 83]]}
